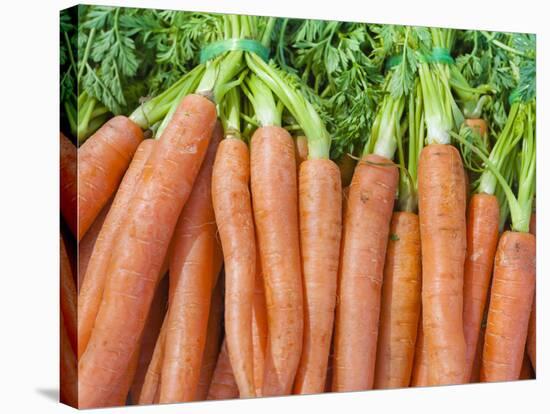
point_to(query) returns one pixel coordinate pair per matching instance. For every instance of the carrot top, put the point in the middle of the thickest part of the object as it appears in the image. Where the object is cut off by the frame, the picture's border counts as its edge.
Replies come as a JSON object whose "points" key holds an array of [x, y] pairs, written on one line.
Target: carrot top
{"points": [[214, 77], [409, 152], [152, 111], [522, 139], [230, 111], [506, 142], [266, 111], [296, 103], [399, 84]]}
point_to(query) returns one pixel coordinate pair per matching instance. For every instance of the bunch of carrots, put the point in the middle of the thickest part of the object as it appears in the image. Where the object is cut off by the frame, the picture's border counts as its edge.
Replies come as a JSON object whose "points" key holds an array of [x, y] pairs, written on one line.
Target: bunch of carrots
{"points": [[220, 255]]}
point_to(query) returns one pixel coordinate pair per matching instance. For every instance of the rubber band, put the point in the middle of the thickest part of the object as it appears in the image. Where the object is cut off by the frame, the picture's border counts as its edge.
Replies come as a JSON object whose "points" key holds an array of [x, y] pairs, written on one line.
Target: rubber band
{"points": [[437, 55], [246, 45], [441, 55]]}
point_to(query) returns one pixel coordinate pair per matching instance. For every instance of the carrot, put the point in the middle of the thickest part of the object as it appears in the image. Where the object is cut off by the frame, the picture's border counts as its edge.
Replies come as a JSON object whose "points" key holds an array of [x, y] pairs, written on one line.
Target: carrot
{"points": [[142, 243], [330, 365], [192, 268], [275, 202], [68, 374], [151, 380], [476, 368], [532, 330], [301, 150], [367, 219], [512, 293], [91, 291], [482, 237], [233, 208], [67, 295], [150, 335], [442, 208], [223, 386], [102, 161], [400, 307], [365, 236], [274, 199], [119, 394], [513, 285], [68, 182], [86, 245], [479, 125], [320, 194], [123, 389], [419, 375], [213, 342], [484, 217], [259, 327], [149, 392]]}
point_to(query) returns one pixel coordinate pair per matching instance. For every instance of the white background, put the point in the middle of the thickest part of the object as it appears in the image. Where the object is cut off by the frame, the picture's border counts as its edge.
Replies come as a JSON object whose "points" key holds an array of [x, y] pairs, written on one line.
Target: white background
{"points": [[29, 205]]}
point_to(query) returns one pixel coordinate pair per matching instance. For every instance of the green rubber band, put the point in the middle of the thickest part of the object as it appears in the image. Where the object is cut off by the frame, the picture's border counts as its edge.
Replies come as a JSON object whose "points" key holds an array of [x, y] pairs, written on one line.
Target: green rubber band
{"points": [[438, 55], [246, 45], [441, 55]]}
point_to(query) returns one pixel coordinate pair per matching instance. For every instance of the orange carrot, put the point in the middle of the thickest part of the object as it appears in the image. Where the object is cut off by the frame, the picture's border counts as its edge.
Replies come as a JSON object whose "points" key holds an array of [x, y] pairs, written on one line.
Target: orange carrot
{"points": [[365, 236], [330, 365], [482, 238], [275, 204], [68, 375], [532, 330], [419, 376], [512, 292], [91, 291], [102, 161], [68, 182], [479, 125], [213, 342], [442, 211], [320, 192], [151, 381], [86, 245], [67, 295], [119, 394], [259, 327], [400, 307], [192, 268], [233, 208], [223, 386], [150, 335], [140, 248]]}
